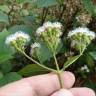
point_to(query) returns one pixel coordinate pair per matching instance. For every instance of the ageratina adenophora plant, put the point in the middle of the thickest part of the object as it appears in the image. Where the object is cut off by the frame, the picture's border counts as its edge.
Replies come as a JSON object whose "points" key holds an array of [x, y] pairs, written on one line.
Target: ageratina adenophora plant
{"points": [[50, 34]]}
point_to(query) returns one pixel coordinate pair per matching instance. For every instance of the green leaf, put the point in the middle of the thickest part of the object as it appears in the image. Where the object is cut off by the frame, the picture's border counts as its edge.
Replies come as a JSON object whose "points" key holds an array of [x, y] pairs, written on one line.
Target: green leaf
{"points": [[88, 4], [4, 18], [24, 1], [89, 60], [43, 54], [20, 1], [71, 61], [93, 54], [10, 77], [4, 57], [6, 67], [90, 84], [4, 8], [1, 75], [5, 51], [45, 3], [24, 28], [32, 69]]}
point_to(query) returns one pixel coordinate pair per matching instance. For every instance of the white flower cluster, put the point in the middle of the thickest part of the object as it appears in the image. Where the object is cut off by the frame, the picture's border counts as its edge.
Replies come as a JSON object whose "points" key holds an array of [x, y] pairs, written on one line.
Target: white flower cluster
{"points": [[33, 46], [15, 36], [85, 68], [82, 30], [46, 26], [80, 38]]}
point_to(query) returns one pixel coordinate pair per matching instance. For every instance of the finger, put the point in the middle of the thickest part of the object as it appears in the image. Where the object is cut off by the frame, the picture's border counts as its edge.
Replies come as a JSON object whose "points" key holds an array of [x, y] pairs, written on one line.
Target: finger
{"points": [[43, 85], [19, 88], [62, 92], [82, 92], [46, 84]]}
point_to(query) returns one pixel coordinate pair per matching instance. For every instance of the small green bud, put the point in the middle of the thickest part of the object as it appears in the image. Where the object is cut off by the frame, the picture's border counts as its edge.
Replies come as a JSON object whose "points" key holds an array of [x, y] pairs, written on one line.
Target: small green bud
{"points": [[81, 38], [19, 39], [50, 34]]}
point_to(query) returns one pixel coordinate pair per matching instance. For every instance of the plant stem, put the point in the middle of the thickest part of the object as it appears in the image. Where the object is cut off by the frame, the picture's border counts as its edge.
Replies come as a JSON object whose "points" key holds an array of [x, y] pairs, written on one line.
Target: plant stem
{"points": [[41, 65], [44, 14], [61, 13], [56, 63], [59, 73]]}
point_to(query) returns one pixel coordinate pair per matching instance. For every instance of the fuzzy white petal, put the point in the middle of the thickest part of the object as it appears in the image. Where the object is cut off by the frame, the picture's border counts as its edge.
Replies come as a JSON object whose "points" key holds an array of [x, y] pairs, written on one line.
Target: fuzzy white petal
{"points": [[57, 25], [48, 24], [10, 38], [82, 30], [40, 30], [22, 34], [16, 35], [35, 45], [85, 67], [92, 34]]}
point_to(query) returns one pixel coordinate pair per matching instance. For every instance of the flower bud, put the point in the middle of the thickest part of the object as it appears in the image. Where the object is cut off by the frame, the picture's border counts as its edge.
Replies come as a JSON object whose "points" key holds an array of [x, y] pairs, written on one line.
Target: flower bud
{"points": [[81, 38], [50, 34], [34, 48], [18, 39], [85, 68]]}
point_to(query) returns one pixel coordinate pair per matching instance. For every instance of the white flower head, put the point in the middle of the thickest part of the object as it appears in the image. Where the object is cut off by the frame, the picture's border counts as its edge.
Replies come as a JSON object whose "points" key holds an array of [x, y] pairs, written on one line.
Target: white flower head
{"points": [[57, 25], [82, 30], [50, 32], [52, 25], [48, 25], [40, 30], [23, 35], [17, 35], [81, 38], [92, 34], [9, 39], [78, 30], [85, 68], [33, 46]]}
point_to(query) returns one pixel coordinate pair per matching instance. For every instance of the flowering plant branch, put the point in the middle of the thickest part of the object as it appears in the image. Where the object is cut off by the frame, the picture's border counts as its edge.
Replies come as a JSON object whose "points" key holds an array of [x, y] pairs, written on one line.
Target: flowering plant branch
{"points": [[50, 34], [41, 65]]}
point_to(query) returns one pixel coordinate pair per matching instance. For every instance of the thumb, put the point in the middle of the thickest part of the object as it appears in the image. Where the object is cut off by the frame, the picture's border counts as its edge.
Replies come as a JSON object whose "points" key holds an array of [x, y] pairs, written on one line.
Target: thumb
{"points": [[62, 92]]}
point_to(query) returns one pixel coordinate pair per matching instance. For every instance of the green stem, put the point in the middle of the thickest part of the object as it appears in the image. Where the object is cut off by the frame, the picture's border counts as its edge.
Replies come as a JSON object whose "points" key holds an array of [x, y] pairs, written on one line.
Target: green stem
{"points": [[43, 66], [56, 63], [83, 50], [59, 73], [70, 63]]}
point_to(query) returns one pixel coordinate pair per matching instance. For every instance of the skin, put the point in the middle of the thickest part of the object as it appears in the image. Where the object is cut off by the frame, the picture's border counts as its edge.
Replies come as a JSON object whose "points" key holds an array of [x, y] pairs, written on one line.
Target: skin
{"points": [[45, 85]]}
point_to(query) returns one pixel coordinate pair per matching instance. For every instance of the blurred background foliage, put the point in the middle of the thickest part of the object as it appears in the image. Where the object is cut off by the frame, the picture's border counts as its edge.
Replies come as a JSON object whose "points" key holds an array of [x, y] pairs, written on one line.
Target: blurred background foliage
{"points": [[27, 16]]}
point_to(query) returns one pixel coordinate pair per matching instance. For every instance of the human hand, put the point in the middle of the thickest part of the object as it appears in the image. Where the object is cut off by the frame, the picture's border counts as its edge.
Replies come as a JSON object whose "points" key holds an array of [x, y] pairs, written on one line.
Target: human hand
{"points": [[45, 85]]}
